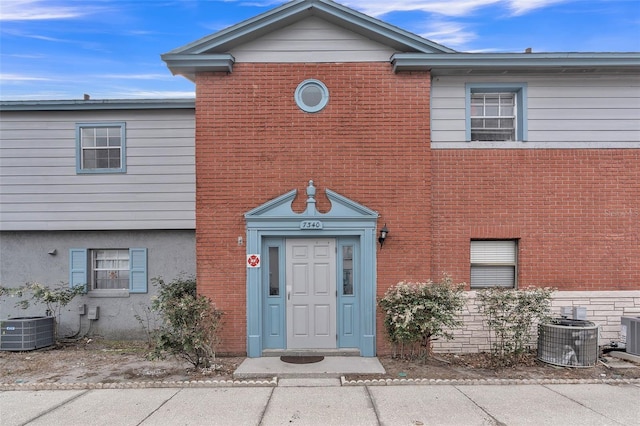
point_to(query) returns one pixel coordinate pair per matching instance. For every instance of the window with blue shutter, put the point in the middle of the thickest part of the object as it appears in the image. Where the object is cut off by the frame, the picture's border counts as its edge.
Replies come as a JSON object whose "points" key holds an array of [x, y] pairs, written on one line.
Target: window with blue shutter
{"points": [[138, 270], [78, 268], [109, 269]]}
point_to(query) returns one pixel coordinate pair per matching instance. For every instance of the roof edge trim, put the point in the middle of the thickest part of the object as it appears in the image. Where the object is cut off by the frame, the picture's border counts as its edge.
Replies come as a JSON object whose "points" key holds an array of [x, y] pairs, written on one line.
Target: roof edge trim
{"points": [[103, 104], [299, 9], [418, 61], [187, 65]]}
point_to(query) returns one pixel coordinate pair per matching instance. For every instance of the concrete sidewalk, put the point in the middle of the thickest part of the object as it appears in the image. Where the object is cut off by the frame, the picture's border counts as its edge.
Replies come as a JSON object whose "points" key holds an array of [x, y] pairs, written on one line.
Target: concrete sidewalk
{"points": [[324, 402]]}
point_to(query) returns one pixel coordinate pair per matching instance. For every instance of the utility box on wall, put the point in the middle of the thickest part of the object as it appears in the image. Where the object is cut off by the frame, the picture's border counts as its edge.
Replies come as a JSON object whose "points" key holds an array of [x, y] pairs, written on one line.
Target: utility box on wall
{"points": [[630, 333], [94, 313], [27, 333]]}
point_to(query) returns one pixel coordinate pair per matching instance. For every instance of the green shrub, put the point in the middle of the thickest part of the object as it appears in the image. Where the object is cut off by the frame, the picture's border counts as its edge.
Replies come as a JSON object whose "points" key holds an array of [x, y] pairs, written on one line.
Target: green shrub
{"points": [[417, 313], [511, 316], [189, 322]]}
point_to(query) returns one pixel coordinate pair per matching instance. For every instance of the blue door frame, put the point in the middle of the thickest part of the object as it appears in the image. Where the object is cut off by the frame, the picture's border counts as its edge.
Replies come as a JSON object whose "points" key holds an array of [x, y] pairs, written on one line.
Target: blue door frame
{"points": [[350, 223]]}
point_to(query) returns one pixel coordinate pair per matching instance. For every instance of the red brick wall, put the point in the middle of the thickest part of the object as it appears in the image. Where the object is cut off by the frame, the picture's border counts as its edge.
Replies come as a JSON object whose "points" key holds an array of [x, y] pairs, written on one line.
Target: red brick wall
{"points": [[371, 144], [576, 213]]}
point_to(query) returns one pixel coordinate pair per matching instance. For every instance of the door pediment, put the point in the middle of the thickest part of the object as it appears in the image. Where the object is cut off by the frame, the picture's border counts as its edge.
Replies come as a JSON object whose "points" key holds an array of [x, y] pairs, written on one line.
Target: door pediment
{"points": [[342, 208]]}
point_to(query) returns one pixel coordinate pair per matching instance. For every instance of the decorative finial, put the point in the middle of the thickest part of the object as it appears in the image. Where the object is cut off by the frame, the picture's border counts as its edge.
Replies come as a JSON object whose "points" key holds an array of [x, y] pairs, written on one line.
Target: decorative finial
{"points": [[311, 201], [311, 190]]}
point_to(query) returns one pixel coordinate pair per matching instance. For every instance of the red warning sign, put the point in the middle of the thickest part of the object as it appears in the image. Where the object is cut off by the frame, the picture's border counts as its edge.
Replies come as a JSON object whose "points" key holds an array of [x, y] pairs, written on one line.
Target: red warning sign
{"points": [[253, 261]]}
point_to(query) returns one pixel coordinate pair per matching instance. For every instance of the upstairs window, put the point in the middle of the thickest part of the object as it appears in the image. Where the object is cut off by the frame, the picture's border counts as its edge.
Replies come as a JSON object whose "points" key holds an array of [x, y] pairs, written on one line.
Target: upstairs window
{"points": [[493, 117], [493, 263], [496, 113], [100, 148]]}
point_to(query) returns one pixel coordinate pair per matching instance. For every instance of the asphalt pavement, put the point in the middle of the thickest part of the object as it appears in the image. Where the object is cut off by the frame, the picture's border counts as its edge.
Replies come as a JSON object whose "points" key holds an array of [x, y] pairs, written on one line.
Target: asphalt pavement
{"points": [[328, 401]]}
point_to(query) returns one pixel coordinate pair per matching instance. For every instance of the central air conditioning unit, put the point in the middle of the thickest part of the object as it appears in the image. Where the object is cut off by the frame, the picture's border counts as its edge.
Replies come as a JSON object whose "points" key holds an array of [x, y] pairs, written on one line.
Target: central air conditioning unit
{"points": [[568, 343], [630, 334], [27, 333]]}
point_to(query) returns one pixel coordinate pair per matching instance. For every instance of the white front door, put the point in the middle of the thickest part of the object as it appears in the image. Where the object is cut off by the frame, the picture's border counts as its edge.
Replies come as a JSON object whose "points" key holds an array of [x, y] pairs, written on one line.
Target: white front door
{"points": [[311, 293]]}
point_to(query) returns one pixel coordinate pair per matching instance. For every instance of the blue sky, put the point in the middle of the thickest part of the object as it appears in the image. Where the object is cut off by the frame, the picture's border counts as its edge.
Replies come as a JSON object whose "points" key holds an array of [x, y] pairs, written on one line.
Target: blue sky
{"points": [[110, 49]]}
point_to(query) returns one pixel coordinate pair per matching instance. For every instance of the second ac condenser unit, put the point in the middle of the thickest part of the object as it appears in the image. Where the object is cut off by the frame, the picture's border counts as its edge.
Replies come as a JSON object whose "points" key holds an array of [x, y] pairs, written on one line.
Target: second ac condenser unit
{"points": [[631, 334]]}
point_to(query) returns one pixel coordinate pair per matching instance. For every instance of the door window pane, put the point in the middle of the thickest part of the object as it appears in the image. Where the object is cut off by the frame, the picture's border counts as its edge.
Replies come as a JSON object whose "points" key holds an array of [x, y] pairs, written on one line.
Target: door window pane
{"points": [[347, 270], [274, 271]]}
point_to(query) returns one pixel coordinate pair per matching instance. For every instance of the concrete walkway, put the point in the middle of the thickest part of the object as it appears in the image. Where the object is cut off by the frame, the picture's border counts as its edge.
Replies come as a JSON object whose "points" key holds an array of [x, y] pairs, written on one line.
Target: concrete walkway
{"points": [[324, 402]]}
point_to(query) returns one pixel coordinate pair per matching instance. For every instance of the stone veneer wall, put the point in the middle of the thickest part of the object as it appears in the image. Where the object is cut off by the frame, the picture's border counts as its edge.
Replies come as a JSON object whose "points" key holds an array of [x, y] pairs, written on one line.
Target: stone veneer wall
{"points": [[604, 308]]}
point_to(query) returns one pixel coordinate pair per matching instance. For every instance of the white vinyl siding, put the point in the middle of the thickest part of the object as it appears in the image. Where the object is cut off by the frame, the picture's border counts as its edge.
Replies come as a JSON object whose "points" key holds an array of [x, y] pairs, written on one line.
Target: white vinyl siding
{"points": [[493, 263], [563, 111], [312, 40], [41, 189]]}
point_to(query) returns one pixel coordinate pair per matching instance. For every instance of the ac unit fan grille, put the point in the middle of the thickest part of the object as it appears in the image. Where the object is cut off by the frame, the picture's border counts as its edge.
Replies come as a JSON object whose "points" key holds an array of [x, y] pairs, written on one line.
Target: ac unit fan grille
{"points": [[568, 343]]}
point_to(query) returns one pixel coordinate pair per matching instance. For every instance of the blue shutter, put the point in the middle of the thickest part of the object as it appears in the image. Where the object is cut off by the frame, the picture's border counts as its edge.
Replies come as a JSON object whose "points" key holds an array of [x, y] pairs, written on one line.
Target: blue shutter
{"points": [[138, 270], [78, 268]]}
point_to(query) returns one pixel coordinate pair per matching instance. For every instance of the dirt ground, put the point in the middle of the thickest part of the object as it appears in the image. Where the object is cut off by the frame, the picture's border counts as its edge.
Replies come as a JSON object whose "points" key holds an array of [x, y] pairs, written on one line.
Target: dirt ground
{"points": [[95, 361]]}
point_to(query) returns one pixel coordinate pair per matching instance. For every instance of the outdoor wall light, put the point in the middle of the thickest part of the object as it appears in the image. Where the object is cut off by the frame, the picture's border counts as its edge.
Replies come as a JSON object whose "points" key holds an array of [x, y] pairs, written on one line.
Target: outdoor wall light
{"points": [[383, 235], [53, 252]]}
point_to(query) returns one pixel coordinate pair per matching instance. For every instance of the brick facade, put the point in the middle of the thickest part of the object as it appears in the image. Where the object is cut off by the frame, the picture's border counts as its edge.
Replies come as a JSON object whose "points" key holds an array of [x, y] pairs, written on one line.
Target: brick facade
{"points": [[575, 213], [371, 144]]}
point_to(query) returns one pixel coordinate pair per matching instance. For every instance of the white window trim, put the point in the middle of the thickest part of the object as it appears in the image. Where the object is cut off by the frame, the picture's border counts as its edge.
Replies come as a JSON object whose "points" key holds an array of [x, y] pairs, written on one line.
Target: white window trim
{"points": [[123, 148], [520, 91], [495, 263]]}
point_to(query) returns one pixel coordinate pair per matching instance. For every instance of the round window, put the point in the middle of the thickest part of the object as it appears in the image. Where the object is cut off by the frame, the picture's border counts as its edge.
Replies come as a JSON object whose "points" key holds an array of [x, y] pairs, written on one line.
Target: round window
{"points": [[312, 95]]}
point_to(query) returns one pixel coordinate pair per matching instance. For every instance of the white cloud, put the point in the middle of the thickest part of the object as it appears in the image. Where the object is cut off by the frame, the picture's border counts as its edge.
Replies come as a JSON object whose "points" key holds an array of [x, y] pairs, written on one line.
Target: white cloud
{"points": [[263, 3], [152, 77], [451, 34], [40, 10], [17, 78], [445, 7], [149, 94], [520, 7]]}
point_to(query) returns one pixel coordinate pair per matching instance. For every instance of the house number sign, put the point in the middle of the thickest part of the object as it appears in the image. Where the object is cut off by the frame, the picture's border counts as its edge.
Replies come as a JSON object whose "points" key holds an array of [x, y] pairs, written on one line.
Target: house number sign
{"points": [[311, 224]]}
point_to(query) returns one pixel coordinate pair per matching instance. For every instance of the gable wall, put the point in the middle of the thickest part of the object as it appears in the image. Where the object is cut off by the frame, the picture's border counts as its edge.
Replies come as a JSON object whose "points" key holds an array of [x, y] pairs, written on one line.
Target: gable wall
{"points": [[370, 144], [312, 40]]}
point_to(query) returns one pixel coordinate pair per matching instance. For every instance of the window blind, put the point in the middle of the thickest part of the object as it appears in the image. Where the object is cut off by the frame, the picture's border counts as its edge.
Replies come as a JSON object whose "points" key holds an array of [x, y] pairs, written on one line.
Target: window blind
{"points": [[493, 252]]}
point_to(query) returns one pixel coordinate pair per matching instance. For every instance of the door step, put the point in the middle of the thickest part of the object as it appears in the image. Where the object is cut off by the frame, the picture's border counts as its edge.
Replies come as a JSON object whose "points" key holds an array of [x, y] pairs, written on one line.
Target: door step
{"points": [[331, 367]]}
